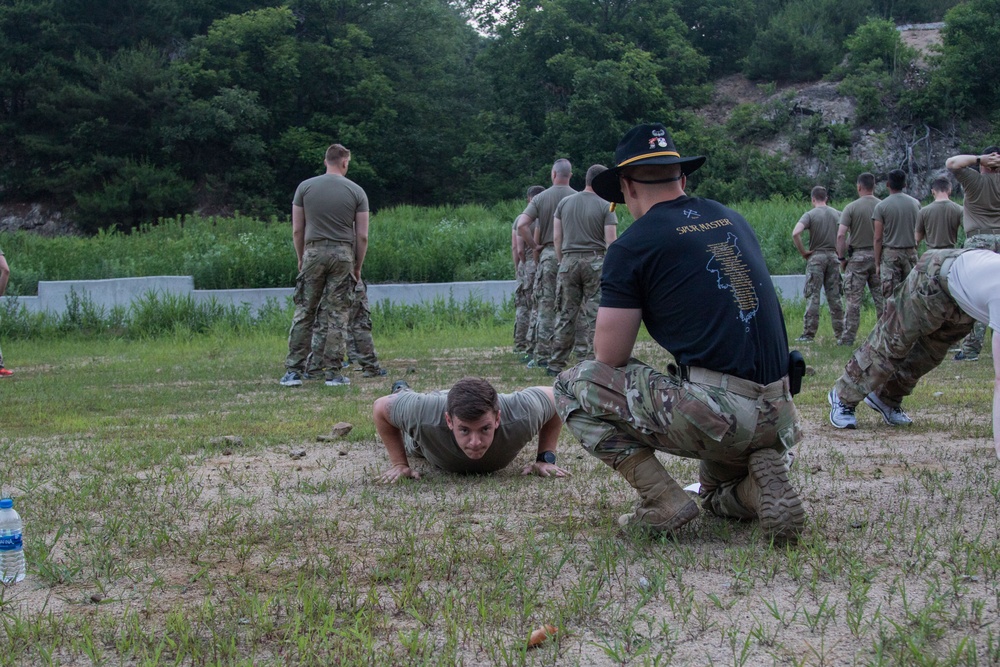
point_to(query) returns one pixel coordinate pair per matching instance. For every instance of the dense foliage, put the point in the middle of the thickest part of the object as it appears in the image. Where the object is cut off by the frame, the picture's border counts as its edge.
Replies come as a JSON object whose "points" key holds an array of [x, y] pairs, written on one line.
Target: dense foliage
{"points": [[125, 112]]}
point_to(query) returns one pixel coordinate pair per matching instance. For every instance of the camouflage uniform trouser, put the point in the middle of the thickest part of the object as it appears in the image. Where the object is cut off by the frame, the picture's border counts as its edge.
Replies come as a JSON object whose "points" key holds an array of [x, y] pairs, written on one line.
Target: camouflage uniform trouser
{"points": [[615, 411], [360, 346], [523, 302], [912, 337], [578, 293], [973, 343], [545, 303], [896, 265], [326, 277], [860, 271], [823, 273]]}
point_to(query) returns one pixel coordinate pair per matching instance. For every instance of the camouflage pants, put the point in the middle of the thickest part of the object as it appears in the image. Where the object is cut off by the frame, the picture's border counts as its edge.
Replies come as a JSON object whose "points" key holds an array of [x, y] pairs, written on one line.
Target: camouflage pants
{"points": [[615, 411], [545, 303], [896, 265], [578, 293], [973, 343], [823, 273], [326, 277], [920, 322], [860, 271], [360, 346], [523, 302]]}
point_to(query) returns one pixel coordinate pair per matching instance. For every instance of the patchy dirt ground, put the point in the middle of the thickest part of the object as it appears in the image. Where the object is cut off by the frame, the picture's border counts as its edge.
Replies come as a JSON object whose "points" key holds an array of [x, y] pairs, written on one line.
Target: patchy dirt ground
{"points": [[299, 561]]}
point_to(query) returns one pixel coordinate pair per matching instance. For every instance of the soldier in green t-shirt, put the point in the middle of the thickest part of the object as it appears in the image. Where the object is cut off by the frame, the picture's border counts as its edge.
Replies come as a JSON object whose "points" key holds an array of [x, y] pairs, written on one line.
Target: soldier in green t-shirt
{"points": [[467, 429], [939, 221], [822, 267], [981, 218]]}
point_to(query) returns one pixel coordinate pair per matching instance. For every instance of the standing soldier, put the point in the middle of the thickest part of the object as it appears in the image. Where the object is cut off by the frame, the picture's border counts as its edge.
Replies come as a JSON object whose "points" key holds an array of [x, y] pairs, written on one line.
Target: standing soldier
{"points": [[857, 255], [542, 209], [981, 219], [584, 226], [822, 267], [330, 234], [524, 272], [939, 221], [895, 221]]}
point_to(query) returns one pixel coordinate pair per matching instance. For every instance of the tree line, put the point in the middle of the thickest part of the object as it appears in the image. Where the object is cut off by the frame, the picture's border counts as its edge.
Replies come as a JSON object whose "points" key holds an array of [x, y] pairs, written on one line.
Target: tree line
{"points": [[124, 111]]}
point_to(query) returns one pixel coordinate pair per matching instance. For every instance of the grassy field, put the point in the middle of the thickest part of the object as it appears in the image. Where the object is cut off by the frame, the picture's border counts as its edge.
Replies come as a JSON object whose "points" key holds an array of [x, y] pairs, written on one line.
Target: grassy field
{"points": [[150, 542]]}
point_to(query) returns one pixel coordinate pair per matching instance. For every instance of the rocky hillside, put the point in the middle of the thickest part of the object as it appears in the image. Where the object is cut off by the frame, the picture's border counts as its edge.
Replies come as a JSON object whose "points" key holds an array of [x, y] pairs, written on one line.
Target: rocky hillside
{"points": [[920, 150]]}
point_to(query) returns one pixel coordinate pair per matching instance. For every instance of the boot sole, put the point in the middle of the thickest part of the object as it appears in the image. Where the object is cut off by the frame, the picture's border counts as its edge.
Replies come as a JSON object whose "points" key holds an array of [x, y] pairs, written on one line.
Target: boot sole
{"points": [[780, 510], [686, 514]]}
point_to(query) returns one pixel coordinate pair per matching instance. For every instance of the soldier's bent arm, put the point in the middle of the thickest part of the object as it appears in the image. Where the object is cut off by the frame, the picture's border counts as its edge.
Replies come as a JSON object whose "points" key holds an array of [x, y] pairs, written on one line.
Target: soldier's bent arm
{"points": [[392, 438], [797, 239], [524, 230], [842, 243], [299, 232], [548, 440], [877, 242], [360, 241], [614, 336], [557, 237], [610, 234]]}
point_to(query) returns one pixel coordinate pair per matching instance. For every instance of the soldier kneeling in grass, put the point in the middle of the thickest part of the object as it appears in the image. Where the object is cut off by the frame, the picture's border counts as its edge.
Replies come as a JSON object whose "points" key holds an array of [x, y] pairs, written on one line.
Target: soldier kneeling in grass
{"points": [[467, 429]]}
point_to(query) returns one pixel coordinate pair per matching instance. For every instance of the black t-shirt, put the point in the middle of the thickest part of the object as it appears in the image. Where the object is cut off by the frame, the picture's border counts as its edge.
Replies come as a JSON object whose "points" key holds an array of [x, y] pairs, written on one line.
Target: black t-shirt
{"points": [[696, 270]]}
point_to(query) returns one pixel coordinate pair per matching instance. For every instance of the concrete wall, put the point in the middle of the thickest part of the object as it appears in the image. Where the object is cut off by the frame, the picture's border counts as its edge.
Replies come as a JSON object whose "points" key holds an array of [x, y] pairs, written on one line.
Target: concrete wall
{"points": [[106, 294]]}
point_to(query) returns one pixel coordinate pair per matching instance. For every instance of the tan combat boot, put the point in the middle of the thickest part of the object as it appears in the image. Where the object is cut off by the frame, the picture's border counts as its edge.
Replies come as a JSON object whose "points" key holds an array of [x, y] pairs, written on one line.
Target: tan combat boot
{"points": [[767, 492], [663, 505]]}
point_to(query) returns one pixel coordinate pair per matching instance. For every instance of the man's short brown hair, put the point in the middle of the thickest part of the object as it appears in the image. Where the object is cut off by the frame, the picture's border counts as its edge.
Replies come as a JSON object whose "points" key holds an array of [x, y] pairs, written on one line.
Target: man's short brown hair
{"points": [[819, 193], [867, 181], [941, 184], [470, 398], [594, 170], [335, 153], [533, 191]]}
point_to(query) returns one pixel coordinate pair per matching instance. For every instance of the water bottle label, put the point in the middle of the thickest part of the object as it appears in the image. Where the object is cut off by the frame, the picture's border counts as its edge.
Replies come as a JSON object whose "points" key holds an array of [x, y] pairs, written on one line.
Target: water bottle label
{"points": [[10, 542]]}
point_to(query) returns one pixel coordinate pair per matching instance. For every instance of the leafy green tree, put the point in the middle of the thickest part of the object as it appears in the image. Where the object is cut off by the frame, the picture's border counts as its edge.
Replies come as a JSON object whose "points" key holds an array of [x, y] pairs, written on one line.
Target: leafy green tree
{"points": [[969, 64], [722, 30], [878, 63]]}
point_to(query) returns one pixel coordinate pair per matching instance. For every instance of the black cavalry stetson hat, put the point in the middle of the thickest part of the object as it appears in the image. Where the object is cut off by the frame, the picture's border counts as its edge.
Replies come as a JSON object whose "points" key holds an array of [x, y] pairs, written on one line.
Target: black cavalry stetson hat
{"points": [[643, 144]]}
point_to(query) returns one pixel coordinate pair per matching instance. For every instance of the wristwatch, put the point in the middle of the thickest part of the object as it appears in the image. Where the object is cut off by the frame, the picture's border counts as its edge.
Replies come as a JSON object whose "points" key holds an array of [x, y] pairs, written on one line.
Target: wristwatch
{"points": [[545, 457]]}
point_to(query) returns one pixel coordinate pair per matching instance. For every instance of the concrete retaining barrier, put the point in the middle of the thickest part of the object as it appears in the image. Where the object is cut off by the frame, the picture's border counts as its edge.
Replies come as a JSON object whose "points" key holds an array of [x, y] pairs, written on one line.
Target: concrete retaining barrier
{"points": [[107, 294]]}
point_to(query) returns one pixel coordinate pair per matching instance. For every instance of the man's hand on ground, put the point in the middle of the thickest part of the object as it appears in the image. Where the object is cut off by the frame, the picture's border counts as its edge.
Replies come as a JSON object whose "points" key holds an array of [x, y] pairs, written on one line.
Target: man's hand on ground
{"points": [[543, 469], [396, 472]]}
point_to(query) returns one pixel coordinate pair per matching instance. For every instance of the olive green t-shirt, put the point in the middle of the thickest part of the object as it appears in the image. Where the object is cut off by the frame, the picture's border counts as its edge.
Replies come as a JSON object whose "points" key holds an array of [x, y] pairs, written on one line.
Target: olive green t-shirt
{"points": [[330, 202], [821, 221], [939, 222], [421, 418], [982, 201], [543, 208], [583, 217], [857, 217], [898, 213]]}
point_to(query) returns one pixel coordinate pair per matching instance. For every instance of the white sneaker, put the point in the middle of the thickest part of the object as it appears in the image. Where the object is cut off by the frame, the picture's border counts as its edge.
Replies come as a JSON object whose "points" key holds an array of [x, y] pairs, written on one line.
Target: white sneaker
{"points": [[291, 379], [892, 416], [841, 414], [337, 381]]}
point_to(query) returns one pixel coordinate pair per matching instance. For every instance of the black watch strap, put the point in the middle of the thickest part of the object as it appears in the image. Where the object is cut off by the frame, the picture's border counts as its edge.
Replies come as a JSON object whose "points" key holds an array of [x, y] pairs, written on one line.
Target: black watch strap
{"points": [[545, 457]]}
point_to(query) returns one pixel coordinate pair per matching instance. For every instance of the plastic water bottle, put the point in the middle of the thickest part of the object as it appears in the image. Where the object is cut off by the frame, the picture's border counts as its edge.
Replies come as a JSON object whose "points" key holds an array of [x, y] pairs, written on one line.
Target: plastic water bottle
{"points": [[11, 547]]}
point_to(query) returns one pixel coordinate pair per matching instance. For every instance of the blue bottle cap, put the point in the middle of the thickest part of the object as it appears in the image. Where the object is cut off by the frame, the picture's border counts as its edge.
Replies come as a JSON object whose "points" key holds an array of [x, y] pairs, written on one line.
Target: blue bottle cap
{"points": [[6, 503]]}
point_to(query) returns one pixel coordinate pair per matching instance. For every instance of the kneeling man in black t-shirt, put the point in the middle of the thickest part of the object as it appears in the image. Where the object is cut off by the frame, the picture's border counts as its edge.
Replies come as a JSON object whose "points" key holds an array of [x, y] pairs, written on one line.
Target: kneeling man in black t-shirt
{"points": [[692, 271]]}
